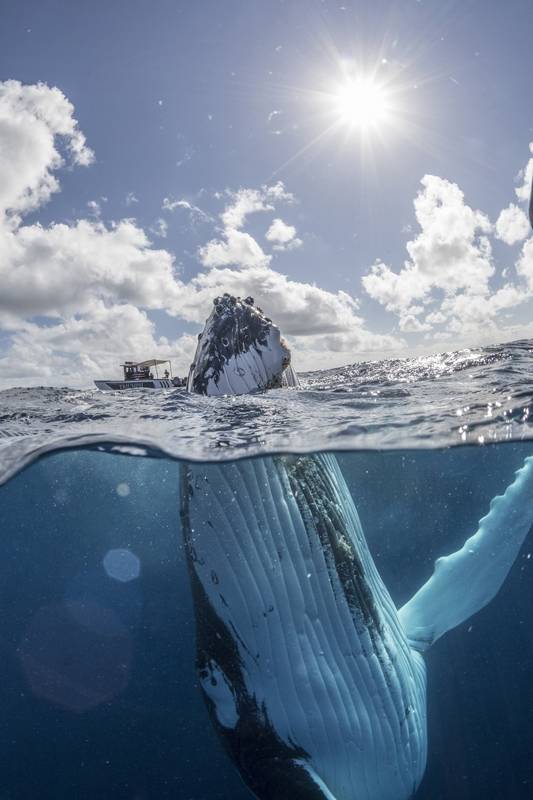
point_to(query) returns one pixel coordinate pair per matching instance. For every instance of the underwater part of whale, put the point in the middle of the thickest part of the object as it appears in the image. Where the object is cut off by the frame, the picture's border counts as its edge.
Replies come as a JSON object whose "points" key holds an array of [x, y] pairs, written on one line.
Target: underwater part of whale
{"points": [[313, 680], [307, 673]]}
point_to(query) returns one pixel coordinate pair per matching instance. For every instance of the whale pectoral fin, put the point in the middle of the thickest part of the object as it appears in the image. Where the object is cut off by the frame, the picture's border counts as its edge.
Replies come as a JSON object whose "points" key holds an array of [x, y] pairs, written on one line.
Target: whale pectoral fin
{"points": [[288, 779], [465, 581]]}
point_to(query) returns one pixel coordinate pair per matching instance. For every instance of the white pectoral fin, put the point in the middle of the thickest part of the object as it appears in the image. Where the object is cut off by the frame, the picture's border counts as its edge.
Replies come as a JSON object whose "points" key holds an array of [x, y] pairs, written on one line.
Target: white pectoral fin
{"points": [[317, 781], [467, 580]]}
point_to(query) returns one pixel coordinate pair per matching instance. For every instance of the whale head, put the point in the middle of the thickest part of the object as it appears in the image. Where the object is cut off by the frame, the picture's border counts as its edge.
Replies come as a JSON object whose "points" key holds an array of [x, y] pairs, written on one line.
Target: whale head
{"points": [[239, 351]]}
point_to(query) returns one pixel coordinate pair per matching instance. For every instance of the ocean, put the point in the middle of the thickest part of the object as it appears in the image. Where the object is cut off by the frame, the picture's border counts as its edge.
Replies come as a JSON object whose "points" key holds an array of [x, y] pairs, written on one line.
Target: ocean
{"points": [[99, 693]]}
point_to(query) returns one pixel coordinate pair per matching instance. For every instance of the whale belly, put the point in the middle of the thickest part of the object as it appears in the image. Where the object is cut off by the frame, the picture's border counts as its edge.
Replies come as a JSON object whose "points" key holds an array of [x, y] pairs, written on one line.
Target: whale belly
{"points": [[304, 666]]}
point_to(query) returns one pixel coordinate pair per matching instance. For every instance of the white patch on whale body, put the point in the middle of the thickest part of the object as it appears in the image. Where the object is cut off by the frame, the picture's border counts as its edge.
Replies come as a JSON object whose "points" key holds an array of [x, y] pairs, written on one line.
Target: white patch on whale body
{"points": [[217, 688], [248, 372]]}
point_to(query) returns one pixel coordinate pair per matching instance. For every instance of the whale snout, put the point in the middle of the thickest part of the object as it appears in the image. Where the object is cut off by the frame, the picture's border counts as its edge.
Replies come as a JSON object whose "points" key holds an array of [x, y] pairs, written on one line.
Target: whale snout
{"points": [[239, 351]]}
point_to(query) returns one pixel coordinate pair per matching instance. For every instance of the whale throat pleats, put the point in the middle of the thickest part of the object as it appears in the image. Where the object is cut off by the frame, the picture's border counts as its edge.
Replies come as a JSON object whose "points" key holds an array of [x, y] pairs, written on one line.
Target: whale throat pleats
{"points": [[303, 663]]}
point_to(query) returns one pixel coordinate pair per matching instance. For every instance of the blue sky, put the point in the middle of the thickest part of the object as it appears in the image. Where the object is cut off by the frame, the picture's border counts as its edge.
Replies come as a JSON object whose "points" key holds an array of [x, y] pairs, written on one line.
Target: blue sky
{"points": [[212, 105]]}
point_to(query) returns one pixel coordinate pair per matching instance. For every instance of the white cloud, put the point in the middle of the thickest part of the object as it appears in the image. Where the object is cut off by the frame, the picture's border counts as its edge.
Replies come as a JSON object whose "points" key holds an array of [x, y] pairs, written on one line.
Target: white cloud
{"points": [[411, 324], [237, 248], [95, 208], [171, 205], [395, 291], [38, 132], [294, 244], [282, 236], [250, 201], [131, 198], [451, 255], [449, 277], [195, 213], [62, 269], [512, 225], [59, 269], [159, 228], [526, 176], [524, 265]]}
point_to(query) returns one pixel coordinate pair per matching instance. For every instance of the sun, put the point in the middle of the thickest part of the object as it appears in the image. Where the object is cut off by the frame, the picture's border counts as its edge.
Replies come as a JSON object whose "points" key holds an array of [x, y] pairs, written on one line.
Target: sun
{"points": [[361, 103]]}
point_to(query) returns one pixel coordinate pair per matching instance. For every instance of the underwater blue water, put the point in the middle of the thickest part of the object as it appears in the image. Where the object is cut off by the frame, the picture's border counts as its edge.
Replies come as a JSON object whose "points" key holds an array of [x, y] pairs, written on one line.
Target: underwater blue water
{"points": [[98, 689]]}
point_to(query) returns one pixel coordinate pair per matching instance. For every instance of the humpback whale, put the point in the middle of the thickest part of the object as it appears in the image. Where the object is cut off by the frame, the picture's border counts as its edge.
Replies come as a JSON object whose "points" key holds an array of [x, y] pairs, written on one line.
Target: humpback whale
{"points": [[314, 681]]}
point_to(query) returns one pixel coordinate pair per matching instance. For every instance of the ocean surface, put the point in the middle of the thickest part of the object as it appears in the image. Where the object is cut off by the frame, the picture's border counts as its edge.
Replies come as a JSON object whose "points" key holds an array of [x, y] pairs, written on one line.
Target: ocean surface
{"points": [[98, 691]]}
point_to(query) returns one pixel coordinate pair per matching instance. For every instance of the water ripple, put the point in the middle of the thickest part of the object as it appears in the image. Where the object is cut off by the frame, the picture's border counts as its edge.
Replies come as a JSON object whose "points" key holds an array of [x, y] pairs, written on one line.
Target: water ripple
{"points": [[467, 396]]}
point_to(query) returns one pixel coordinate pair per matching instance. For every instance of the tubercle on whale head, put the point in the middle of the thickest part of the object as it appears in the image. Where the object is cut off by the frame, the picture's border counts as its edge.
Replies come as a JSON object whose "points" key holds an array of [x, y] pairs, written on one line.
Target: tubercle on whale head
{"points": [[239, 351]]}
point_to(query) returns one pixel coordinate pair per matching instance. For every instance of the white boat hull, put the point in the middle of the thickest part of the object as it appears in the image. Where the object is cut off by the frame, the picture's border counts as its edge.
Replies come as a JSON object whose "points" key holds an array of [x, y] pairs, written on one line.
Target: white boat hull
{"points": [[155, 383]]}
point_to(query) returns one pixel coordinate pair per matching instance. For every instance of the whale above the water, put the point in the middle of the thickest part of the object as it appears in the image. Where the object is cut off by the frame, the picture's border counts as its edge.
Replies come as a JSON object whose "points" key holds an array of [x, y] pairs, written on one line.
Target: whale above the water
{"points": [[314, 681]]}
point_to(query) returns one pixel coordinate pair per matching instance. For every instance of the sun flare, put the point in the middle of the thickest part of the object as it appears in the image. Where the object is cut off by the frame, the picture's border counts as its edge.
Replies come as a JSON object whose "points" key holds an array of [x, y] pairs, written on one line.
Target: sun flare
{"points": [[361, 103]]}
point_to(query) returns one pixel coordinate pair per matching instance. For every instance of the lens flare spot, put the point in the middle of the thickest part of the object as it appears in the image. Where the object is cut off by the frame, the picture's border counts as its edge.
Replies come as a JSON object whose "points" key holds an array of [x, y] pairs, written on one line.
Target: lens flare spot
{"points": [[122, 565]]}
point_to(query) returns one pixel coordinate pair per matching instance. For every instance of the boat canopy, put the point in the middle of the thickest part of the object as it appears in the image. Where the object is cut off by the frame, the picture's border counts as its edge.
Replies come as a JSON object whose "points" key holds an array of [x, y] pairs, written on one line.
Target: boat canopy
{"points": [[140, 370], [152, 362]]}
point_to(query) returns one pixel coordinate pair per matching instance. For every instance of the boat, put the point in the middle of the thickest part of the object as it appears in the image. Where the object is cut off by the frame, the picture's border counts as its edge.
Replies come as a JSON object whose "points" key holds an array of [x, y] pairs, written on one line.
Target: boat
{"points": [[139, 375]]}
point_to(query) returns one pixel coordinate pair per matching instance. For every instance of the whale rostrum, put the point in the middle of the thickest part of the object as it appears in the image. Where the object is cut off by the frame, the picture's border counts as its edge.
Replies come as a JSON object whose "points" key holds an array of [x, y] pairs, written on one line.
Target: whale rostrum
{"points": [[313, 680]]}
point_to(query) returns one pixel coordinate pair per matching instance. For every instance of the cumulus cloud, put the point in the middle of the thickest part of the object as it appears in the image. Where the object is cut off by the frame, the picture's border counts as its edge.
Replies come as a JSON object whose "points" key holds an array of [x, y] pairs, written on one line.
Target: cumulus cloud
{"points": [[280, 232], [451, 253], [449, 276], [59, 269], [524, 265], [38, 133], [512, 225], [525, 177], [249, 201], [282, 235], [235, 247]]}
